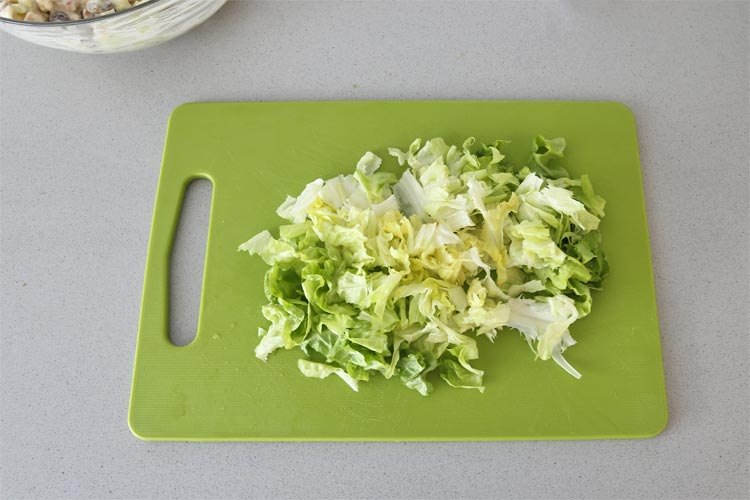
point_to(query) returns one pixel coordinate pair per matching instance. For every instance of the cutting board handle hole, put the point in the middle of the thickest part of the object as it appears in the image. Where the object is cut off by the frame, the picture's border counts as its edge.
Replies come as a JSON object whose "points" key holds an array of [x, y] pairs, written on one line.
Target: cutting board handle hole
{"points": [[187, 262]]}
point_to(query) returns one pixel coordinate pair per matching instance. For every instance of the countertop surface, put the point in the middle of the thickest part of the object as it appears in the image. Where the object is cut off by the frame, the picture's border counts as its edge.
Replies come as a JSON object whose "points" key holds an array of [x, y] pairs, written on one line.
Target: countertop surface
{"points": [[80, 146]]}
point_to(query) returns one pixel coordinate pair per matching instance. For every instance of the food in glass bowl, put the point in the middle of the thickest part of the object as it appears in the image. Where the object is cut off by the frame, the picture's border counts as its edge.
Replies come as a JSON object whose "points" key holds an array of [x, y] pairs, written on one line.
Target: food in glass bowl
{"points": [[41, 11], [102, 26]]}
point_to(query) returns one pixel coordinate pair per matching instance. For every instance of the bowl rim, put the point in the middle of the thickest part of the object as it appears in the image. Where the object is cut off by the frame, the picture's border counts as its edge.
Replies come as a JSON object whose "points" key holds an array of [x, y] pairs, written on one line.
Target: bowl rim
{"points": [[78, 21]]}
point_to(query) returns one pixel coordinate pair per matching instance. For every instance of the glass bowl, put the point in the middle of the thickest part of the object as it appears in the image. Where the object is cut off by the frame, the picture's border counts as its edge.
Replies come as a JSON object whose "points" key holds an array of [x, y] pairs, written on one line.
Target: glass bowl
{"points": [[141, 26]]}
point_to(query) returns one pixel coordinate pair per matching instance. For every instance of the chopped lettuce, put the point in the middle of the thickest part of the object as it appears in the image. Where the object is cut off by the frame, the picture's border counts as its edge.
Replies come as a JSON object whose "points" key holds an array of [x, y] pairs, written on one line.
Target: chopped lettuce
{"points": [[397, 275]]}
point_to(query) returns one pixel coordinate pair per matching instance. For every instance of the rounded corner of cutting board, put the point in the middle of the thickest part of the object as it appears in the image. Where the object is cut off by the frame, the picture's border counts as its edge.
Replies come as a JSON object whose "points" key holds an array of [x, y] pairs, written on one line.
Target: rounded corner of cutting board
{"points": [[134, 427], [659, 424], [620, 112], [182, 109]]}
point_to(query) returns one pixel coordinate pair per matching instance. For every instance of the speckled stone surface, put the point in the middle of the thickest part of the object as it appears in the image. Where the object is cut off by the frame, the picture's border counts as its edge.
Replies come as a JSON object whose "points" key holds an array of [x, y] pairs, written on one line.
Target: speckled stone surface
{"points": [[80, 145]]}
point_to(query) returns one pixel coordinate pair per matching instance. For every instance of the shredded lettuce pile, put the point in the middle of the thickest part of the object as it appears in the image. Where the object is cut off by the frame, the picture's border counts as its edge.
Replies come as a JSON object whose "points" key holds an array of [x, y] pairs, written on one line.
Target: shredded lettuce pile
{"points": [[377, 273]]}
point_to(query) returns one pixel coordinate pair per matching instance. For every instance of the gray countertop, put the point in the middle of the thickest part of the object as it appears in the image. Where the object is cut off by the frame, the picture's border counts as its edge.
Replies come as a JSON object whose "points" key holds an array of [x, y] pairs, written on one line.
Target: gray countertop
{"points": [[80, 145]]}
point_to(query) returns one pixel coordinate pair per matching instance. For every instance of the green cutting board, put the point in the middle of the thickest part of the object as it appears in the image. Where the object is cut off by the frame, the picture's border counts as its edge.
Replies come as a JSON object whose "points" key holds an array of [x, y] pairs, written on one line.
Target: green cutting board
{"points": [[257, 153]]}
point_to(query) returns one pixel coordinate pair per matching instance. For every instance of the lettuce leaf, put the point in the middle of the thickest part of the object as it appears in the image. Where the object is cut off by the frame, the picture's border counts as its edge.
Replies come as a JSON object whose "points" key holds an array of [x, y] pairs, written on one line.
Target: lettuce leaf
{"points": [[397, 275]]}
